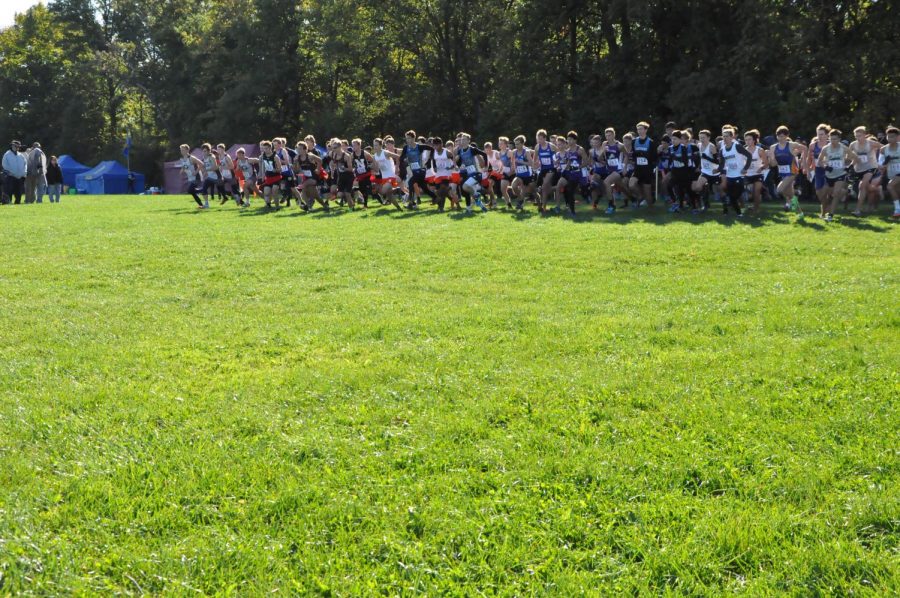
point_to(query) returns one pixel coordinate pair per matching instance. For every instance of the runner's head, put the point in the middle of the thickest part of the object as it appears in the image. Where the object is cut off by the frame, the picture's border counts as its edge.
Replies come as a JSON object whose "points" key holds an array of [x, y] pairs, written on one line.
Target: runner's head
{"points": [[185, 149], [207, 148], [892, 134], [572, 139], [670, 128], [265, 146], [464, 139], [503, 142], [488, 146], [628, 141], [782, 133], [541, 135], [728, 133], [519, 141], [642, 128], [220, 149], [437, 143], [410, 138], [835, 136], [674, 138], [301, 148], [389, 142], [610, 134], [751, 137], [860, 133], [822, 132], [357, 143], [704, 136], [240, 152], [377, 144], [596, 141]]}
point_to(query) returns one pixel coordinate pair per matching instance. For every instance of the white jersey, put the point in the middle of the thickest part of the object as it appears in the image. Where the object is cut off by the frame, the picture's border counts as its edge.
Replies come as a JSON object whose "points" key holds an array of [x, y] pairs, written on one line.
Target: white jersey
{"points": [[385, 165], [226, 172], [865, 156], [211, 165], [443, 164], [709, 166], [891, 160], [246, 168], [734, 160], [189, 168], [756, 162]]}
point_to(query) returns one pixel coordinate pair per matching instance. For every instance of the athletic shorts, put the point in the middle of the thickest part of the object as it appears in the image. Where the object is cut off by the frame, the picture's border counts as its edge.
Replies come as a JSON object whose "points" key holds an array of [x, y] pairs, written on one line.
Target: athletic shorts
{"points": [[753, 179], [544, 171], [366, 176], [456, 178], [831, 181], [819, 177], [392, 181], [712, 179], [858, 176], [344, 182], [644, 175], [271, 180]]}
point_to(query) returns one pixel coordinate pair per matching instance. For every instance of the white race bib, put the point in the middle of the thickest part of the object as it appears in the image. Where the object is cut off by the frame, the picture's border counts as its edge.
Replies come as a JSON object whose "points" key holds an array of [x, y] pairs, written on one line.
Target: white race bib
{"points": [[836, 164], [863, 158], [307, 173], [415, 166], [613, 162], [784, 169], [471, 169], [731, 164], [521, 169], [641, 161], [584, 172]]}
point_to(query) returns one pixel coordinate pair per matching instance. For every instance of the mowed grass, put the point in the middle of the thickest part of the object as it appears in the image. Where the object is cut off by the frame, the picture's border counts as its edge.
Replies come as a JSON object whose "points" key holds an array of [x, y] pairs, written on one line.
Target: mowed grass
{"points": [[385, 403]]}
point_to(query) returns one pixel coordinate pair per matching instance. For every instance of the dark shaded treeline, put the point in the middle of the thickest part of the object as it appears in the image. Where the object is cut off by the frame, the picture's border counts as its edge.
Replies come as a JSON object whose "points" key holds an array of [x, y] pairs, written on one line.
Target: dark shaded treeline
{"points": [[78, 74]]}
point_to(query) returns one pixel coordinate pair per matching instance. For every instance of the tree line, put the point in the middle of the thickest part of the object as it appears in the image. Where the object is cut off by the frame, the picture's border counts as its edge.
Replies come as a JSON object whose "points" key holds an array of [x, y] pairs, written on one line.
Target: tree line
{"points": [[78, 75]]}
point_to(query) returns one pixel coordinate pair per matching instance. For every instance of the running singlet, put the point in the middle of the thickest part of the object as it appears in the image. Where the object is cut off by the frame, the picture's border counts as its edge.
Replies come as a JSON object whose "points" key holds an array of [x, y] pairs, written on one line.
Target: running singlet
{"points": [[189, 169], [733, 160], [415, 157], [665, 158], [246, 168], [523, 168], [268, 164], [784, 157], [614, 157], [226, 172], [679, 156], [642, 152], [709, 166], [835, 167], [443, 164], [865, 158], [211, 164], [504, 161], [891, 159], [756, 163], [307, 167], [360, 164], [467, 159], [385, 165], [286, 160], [545, 156]]}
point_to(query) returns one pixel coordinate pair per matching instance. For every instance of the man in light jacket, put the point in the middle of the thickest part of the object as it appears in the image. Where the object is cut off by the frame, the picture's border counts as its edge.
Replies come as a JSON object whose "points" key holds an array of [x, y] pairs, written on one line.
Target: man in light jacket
{"points": [[15, 168], [36, 181]]}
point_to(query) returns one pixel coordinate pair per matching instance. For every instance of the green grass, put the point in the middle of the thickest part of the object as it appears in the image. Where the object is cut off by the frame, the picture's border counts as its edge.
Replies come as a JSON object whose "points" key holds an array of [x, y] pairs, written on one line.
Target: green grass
{"points": [[381, 403]]}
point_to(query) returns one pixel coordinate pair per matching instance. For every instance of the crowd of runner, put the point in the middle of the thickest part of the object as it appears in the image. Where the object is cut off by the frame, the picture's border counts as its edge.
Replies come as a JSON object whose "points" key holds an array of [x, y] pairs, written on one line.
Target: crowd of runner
{"points": [[685, 172]]}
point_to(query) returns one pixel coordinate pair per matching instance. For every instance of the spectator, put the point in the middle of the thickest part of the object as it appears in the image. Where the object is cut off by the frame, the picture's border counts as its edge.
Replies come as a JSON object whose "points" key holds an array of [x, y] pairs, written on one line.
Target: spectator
{"points": [[54, 180], [15, 168], [36, 181]]}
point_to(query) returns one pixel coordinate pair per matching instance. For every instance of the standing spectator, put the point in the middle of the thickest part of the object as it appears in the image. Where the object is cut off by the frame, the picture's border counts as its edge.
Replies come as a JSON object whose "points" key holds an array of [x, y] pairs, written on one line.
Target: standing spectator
{"points": [[36, 181], [15, 167], [54, 180]]}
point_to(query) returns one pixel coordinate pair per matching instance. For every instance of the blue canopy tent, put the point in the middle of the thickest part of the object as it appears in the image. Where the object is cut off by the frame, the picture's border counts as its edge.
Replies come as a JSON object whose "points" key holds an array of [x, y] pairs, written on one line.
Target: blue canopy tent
{"points": [[70, 169], [106, 178]]}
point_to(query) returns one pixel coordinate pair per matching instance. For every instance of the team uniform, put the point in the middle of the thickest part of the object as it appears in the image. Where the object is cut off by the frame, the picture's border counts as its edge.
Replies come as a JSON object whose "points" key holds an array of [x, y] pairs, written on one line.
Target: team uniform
{"points": [[362, 176], [730, 161]]}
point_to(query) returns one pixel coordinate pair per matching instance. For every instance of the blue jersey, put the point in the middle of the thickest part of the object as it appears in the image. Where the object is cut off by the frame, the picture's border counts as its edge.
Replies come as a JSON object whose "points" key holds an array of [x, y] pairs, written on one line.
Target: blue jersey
{"points": [[545, 157], [784, 157], [523, 167]]}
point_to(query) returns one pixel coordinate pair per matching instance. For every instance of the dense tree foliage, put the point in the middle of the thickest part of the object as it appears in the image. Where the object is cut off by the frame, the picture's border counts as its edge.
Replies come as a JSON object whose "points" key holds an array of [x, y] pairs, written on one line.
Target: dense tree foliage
{"points": [[78, 74]]}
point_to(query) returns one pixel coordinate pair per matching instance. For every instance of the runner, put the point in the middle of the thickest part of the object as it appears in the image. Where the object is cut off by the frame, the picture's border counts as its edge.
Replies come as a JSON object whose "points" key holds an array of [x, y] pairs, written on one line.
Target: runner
{"points": [[211, 180], [864, 170], [709, 179], [340, 174], [490, 179], [614, 154], [246, 166], [573, 171], [471, 161], [523, 183], [362, 171], [753, 180], [835, 157], [890, 156], [784, 155], [386, 181], [416, 156], [684, 157], [194, 171], [816, 173], [734, 161], [641, 182], [227, 181], [308, 166], [270, 170], [507, 159], [543, 165]]}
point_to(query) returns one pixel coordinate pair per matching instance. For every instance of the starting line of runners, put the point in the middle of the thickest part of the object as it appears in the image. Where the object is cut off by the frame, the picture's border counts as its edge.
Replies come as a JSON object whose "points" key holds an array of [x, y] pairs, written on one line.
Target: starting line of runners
{"points": [[685, 173]]}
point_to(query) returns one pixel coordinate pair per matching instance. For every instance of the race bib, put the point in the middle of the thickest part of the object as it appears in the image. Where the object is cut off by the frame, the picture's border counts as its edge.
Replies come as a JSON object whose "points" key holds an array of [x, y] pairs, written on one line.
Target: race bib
{"points": [[613, 162], [863, 158], [521, 169], [545, 161], [471, 169], [415, 166], [894, 168], [784, 169], [642, 161], [731, 164], [584, 172], [307, 173], [836, 164]]}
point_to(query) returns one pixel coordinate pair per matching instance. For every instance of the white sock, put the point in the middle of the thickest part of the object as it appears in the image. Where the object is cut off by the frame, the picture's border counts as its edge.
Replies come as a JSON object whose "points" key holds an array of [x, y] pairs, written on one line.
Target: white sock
{"points": [[897, 205]]}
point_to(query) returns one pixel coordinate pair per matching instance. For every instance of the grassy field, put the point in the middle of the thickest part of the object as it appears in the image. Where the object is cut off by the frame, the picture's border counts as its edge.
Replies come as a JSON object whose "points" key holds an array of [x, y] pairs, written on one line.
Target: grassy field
{"points": [[386, 403]]}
